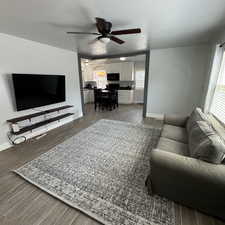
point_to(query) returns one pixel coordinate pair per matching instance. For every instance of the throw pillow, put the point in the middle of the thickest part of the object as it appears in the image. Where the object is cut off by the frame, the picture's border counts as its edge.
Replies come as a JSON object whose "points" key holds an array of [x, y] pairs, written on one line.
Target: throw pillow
{"points": [[196, 115], [205, 144]]}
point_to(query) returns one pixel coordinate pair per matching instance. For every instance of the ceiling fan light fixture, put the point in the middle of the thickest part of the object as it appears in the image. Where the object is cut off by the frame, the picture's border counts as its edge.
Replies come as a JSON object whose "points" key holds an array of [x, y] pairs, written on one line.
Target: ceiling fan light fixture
{"points": [[104, 34], [105, 40]]}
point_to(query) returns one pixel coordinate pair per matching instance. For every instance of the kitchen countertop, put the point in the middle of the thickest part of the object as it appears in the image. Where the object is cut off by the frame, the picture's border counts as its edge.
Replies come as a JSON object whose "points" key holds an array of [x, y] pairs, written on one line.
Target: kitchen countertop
{"points": [[121, 88]]}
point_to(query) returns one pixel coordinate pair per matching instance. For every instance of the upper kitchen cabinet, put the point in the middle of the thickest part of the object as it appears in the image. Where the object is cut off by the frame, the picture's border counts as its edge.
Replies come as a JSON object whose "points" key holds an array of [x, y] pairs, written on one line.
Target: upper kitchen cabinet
{"points": [[125, 69]]}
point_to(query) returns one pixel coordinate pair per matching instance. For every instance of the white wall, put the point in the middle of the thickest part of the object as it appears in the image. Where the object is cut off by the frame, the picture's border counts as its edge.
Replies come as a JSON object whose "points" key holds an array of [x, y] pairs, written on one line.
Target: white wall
{"points": [[22, 56], [139, 65], [219, 37], [177, 79]]}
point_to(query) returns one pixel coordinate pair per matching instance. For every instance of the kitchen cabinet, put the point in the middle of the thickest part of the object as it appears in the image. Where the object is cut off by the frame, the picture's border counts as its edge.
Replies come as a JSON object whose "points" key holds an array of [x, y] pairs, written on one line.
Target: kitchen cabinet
{"points": [[139, 95], [125, 96], [125, 69]]}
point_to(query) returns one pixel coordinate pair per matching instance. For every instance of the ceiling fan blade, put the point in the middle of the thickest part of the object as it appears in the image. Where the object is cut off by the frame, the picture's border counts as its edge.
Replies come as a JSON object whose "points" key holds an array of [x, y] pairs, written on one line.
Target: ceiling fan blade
{"points": [[117, 40], [82, 33], [129, 31]]}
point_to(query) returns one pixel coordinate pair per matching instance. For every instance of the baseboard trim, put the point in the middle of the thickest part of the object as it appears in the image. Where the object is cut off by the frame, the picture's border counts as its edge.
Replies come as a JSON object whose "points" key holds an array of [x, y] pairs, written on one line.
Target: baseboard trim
{"points": [[5, 146], [157, 116]]}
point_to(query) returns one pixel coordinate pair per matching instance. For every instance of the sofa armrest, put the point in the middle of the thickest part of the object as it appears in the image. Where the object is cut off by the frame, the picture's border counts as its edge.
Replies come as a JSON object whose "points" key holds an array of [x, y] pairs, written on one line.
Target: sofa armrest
{"points": [[189, 181], [176, 120]]}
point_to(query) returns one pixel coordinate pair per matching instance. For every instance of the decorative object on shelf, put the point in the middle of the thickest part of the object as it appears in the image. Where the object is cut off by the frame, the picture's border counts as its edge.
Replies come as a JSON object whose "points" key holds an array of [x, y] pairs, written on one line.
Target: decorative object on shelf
{"points": [[15, 127]]}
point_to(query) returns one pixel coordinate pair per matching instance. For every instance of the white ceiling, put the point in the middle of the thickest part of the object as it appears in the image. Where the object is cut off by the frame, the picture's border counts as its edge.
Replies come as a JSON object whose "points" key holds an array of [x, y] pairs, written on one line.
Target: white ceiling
{"points": [[164, 23]]}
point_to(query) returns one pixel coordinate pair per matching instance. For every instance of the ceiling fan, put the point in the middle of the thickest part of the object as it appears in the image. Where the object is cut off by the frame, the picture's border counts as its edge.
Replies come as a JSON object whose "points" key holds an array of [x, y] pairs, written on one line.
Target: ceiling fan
{"points": [[105, 34]]}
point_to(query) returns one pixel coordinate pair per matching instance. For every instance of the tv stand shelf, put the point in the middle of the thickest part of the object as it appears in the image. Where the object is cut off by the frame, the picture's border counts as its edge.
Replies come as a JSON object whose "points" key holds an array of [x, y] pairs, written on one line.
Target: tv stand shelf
{"points": [[42, 123], [30, 116]]}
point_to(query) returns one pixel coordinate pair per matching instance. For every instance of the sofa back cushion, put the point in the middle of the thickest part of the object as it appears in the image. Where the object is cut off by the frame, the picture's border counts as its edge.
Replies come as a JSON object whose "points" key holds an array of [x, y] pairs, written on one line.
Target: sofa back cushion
{"points": [[205, 143], [196, 115]]}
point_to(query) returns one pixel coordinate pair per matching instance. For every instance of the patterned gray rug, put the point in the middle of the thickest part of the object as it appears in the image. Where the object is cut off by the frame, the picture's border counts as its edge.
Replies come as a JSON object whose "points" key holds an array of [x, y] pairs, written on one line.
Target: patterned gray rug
{"points": [[101, 171]]}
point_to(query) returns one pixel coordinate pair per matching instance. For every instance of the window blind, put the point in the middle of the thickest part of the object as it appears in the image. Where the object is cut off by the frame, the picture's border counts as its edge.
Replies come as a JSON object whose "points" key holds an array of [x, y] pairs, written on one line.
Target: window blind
{"points": [[140, 79], [218, 103]]}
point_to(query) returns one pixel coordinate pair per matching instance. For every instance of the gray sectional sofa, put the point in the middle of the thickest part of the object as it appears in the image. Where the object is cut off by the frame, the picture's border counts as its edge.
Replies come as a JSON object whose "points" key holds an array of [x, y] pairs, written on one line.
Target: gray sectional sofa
{"points": [[188, 164]]}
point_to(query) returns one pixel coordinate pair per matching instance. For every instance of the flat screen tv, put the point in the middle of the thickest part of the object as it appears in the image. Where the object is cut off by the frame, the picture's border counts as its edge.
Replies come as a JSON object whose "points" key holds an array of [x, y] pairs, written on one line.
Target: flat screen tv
{"points": [[113, 76], [33, 90]]}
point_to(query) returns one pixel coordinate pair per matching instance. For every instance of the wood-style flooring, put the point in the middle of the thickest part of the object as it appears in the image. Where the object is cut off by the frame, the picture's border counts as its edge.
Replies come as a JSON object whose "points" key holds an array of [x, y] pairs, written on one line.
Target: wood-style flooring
{"points": [[24, 204]]}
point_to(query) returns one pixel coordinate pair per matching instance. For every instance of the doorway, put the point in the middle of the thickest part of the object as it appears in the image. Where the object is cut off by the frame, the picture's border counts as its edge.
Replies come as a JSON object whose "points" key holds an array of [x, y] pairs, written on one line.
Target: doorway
{"points": [[126, 73]]}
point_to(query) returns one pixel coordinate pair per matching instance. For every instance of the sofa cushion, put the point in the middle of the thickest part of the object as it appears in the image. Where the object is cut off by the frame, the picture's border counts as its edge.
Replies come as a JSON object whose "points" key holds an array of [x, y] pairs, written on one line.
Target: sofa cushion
{"points": [[205, 144], [196, 115], [170, 145], [175, 133], [176, 120]]}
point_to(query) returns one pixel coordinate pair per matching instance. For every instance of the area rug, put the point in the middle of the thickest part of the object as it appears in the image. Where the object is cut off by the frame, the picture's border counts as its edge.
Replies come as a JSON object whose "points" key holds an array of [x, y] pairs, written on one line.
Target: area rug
{"points": [[102, 171]]}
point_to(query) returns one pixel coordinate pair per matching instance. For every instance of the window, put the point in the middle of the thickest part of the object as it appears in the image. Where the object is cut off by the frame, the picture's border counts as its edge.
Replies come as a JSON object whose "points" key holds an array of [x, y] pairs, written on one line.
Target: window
{"points": [[140, 79], [100, 78], [218, 101]]}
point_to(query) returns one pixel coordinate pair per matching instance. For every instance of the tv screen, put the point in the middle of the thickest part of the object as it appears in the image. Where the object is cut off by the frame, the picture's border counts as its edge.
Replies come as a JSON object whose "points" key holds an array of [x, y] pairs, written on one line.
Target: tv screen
{"points": [[113, 76], [32, 90]]}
